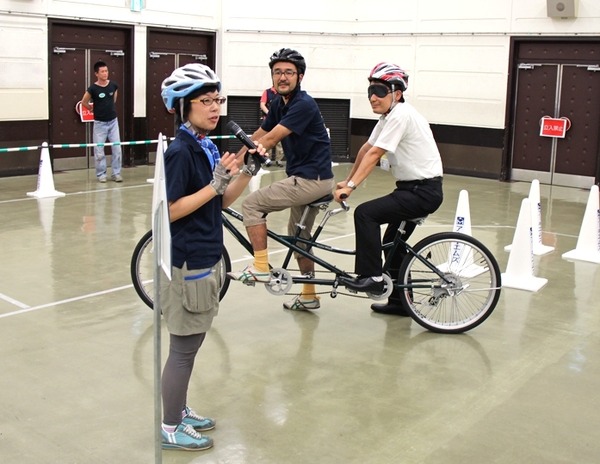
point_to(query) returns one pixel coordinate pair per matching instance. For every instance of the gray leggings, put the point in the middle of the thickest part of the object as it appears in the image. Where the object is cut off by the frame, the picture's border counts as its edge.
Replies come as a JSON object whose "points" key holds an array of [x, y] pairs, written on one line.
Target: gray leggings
{"points": [[176, 375]]}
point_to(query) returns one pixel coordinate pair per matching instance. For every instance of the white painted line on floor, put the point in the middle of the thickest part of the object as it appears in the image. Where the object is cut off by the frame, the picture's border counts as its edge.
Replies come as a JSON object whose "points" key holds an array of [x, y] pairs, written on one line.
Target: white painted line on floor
{"points": [[13, 301], [68, 300], [82, 192]]}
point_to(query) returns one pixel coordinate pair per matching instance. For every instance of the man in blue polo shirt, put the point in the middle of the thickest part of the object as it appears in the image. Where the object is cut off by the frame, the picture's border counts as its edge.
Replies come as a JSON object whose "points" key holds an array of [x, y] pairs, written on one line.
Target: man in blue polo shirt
{"points": [[296, 121]]}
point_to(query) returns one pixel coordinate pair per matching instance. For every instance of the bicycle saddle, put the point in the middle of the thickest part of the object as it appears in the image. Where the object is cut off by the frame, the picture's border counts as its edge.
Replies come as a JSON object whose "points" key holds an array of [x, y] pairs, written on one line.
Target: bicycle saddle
{"points": [[321, 201], [418, 221]]}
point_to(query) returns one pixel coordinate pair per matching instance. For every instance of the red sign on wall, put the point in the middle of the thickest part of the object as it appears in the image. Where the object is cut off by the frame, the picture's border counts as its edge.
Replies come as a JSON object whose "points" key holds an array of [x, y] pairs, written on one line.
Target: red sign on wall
{"points": [[554, 127], [85, 114]]}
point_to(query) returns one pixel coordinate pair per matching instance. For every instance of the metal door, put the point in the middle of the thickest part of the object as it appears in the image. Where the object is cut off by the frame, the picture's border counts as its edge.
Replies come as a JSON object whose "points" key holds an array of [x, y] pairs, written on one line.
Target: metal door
{"points": [[169, 49], [160, 66], [556, 90], [74, 48], [72, 73], [69, 81]]}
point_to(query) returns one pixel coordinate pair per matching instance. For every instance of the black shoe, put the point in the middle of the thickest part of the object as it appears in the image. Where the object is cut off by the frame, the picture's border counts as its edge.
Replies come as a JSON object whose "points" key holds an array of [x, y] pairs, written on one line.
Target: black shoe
{"points": [[389, 308], [363, 284]]}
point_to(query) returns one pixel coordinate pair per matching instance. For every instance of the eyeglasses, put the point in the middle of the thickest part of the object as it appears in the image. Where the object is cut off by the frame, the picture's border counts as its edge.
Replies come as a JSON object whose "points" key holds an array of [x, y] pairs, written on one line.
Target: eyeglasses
{"points": [[209, 101], [288, 73], [378, 90]]}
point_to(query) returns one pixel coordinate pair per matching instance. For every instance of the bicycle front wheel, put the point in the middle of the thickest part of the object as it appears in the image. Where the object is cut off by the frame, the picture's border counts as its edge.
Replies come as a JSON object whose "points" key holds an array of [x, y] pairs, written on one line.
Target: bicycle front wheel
{"points": [[142, 270], [464, 291]]}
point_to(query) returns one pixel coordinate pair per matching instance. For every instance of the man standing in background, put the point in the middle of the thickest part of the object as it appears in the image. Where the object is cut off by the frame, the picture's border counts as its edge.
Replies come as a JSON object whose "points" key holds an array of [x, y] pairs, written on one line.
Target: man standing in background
{"points": [[103, 95]]}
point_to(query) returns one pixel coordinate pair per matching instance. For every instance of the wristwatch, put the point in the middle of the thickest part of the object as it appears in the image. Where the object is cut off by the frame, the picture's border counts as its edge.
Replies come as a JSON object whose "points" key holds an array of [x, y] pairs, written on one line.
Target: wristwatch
{"points": [[351, 184]]}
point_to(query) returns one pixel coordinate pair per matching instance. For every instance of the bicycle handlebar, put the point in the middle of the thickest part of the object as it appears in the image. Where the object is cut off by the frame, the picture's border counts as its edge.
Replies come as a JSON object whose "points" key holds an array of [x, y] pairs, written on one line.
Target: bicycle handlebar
{"points": [[343, 196]]}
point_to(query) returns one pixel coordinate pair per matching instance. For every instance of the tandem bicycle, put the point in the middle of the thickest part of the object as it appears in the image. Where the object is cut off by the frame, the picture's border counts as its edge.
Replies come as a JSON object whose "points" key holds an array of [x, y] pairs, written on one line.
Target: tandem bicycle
{"points": [[448, 282]]}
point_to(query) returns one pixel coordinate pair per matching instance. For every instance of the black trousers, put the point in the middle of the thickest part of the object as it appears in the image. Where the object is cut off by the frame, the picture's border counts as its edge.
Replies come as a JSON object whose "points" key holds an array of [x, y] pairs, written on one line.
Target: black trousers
{"points": [[410, 199]]}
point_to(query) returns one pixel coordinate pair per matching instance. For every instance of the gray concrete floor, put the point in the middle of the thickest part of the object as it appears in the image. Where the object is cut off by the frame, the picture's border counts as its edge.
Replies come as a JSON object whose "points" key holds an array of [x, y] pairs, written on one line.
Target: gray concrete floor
{"points": [[341, 385]]}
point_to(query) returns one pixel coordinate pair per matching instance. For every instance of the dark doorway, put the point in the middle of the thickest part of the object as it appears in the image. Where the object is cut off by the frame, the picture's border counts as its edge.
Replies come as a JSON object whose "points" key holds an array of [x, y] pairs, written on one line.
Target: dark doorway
{"points": [[336, 114], [74, 48], [557, 80], [168, 50]]}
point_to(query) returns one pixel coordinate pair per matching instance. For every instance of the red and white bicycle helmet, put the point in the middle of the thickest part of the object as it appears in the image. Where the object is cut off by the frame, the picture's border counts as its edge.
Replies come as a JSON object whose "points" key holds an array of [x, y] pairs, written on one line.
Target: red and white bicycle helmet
{"points": [[186, 80], [391, 74]]}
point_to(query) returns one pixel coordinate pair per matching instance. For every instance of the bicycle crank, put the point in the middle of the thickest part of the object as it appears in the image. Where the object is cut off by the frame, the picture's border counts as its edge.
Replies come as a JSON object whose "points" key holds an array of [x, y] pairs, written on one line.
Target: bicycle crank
{"points": [[281, 282], [389, 286]]}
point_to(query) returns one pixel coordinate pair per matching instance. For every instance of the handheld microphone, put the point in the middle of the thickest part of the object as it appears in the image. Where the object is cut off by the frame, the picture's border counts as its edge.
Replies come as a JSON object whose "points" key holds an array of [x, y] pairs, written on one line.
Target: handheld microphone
{"points": [[248, 143]]}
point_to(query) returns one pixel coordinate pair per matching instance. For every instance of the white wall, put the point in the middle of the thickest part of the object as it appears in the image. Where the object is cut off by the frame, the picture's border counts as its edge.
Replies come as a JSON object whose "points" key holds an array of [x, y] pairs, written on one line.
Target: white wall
{"points": [[456, 53], [24, 43], [24, 68]]}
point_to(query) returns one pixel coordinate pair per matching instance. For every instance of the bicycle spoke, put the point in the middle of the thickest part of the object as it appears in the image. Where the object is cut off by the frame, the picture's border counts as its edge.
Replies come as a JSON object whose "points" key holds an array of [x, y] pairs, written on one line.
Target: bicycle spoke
{"points": [[463, 294]]}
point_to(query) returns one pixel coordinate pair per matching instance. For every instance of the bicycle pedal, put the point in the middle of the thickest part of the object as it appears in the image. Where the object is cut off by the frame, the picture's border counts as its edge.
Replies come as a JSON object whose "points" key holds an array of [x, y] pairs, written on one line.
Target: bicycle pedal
{"points": [[250, 283]]}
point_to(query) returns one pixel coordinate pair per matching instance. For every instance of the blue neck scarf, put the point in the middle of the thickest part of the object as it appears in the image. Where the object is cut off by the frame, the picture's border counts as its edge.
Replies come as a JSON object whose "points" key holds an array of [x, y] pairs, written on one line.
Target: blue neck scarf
{"points": [[209, 148]]}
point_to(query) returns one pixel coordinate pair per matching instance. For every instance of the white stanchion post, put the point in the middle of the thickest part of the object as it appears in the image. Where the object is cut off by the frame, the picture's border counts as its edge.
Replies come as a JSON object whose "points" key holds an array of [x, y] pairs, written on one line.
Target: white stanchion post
{"points": [[45, 181], [165, 144], [588, 243], [536, 221], [157, 233], [520, 268], [161, 239]]}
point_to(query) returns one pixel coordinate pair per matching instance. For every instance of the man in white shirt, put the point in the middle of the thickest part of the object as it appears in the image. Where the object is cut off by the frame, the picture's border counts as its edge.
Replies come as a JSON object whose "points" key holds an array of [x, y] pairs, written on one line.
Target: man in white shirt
{"points": [[404, 134]]}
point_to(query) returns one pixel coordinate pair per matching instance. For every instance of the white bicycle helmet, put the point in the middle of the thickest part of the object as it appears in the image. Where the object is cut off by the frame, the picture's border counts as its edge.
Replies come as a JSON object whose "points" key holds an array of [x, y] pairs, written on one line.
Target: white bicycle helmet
{"points": [[186, 80], [391, 74]]}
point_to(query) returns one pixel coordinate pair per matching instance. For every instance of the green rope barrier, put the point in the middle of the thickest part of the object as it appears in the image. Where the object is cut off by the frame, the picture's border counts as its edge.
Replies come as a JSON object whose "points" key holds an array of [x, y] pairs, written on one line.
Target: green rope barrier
{"points": [[107, 144]]}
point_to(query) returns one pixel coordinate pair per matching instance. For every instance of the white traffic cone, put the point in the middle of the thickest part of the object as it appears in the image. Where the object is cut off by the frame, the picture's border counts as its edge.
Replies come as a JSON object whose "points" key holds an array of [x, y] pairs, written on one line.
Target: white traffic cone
{"points": [[254, 183], [536, 221], [588, 243], [45, 182], [460, 259], [462, 219], [519, 270]]}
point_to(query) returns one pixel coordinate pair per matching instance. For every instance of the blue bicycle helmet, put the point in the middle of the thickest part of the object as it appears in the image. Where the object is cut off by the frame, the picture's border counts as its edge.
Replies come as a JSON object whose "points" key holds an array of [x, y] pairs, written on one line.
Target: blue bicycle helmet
{"points": [[186, 80]]}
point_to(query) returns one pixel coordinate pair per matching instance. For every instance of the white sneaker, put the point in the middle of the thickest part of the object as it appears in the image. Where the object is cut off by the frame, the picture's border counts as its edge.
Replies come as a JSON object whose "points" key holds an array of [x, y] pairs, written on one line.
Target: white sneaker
{"points": [[250, 274], [102, 179], [299, 304]]}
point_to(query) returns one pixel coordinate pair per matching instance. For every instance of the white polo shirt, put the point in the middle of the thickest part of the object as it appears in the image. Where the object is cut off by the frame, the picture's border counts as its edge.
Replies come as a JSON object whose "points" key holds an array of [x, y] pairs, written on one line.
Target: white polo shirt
{"points": [[411, 149]]}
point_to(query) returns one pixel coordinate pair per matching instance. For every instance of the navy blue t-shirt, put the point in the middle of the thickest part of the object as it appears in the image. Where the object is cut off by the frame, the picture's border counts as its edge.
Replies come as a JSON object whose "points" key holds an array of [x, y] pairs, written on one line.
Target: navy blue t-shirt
{"points": [[197, 238], [308, 148]]}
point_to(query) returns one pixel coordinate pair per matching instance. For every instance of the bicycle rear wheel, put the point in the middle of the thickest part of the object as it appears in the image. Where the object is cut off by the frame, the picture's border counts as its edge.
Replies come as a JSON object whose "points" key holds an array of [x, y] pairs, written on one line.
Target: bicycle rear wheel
{"points": [[464, 297], [142, 270]]}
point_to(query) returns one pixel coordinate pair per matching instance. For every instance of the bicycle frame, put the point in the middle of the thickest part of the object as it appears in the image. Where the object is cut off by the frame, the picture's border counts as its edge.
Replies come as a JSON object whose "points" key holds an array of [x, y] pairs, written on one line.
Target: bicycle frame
{"points": [[390, 248], [290, 242]]}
